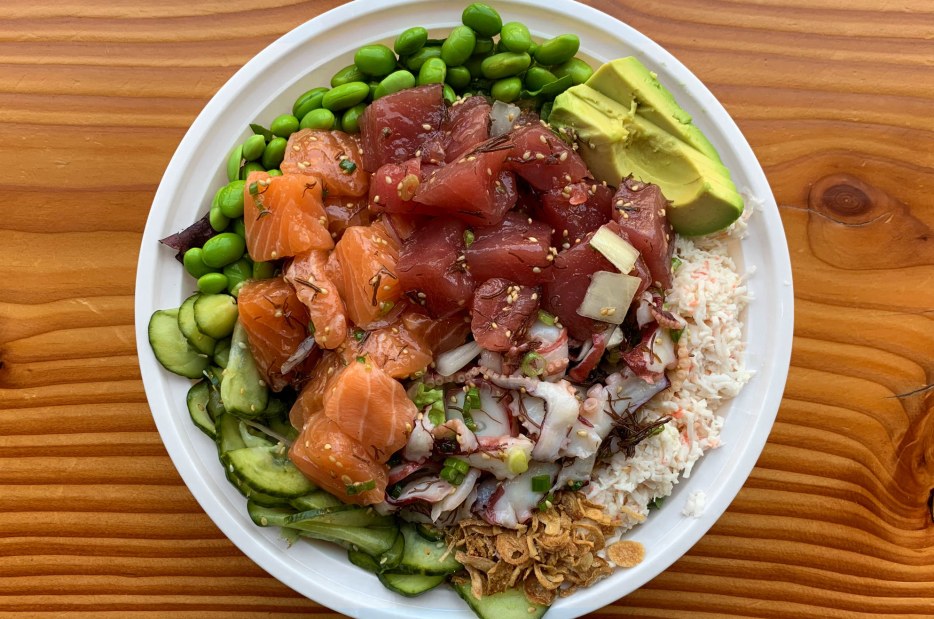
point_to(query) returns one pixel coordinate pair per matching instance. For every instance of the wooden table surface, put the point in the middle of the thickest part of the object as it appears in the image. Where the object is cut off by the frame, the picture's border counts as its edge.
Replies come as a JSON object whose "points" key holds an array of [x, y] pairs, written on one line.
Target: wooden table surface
{"points": [[836, 98]]}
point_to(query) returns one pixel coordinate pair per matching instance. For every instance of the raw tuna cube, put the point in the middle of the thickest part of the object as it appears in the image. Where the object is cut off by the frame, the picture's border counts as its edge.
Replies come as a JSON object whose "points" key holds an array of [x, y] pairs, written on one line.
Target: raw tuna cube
{"points": [[502, 312], [432, 267], [467, 124], [517, 249], [640, 210], [396, 126], [575, 209], [543, 159]]}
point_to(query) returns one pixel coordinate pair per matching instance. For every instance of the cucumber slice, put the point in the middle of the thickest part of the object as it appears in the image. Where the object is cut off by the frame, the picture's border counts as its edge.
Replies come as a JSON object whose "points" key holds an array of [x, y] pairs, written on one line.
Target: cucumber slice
{"points": [[412, 585], [510, 604], [363, 560], [390, 559], [189, 328], [268, 516], [215, 405], [197, 401], [315, 500], [253, 440], [268, 470], [373, 541], [424, 557], [281, 426], [216, 314], [221, 352], [344, 516], [171, 348], [227, 428], [429, 532], [243, 390]]}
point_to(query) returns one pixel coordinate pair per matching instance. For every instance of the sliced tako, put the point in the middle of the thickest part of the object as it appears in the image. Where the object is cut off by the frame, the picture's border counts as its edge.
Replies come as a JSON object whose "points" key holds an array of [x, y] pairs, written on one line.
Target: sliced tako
{"points": [[363, 267], [543, 159], [518, 249], [395, 127], [639, 208], [432, 267], [344, 212], [284, 216], [276, 323], [575, 209], [333, 156], [473, 188], [308, 275], [467, 125], [502, 312]]}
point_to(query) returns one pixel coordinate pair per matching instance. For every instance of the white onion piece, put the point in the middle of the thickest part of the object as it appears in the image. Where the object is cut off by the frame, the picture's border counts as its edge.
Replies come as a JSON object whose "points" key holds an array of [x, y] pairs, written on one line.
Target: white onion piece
{"points": [[609, 296], [615, 248], [503, 116], [447, 363], [491, 360]]}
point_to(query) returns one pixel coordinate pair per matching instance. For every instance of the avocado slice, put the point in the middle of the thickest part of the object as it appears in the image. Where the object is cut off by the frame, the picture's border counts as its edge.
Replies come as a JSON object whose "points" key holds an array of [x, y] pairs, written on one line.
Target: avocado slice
{"points": [[616, 142], [628, 81]]}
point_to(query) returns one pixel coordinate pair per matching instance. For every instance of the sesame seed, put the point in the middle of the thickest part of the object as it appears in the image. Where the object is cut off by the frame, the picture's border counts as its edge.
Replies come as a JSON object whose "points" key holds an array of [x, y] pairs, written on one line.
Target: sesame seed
{"points": [[534, 295], [543, 140], [388, 180], [274, 255], [582, 433], [536, 269], [426, 127], [539, 156], [563, 156], [296, 148], [532, 239]]}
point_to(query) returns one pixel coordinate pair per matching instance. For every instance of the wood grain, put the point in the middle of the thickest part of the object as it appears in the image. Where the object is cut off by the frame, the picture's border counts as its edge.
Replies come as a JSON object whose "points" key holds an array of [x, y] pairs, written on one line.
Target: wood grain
{"points": [[836, 99]]}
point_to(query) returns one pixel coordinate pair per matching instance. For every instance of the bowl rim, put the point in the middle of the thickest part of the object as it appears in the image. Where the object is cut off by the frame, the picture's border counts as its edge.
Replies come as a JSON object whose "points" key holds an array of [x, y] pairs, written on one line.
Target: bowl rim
{"points": [[267, 555]]}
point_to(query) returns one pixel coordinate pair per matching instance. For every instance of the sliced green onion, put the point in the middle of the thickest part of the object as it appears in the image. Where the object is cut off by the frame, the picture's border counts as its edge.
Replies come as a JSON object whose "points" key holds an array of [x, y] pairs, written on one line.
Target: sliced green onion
{"points": [[358, 334], [576, 484], [457, 464], [472, 399], [675, 263], [361, 359], [656, 503], [676, 334], [546, 318], [359, 487], [452, 476], [469, 238], [436, 413], [541, 483], [533, 364], [546, 503], [469, 420], [347, 166]]}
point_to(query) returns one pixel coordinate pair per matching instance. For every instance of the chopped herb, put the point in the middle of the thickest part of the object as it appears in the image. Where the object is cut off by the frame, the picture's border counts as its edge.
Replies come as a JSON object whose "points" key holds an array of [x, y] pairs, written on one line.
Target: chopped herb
{"points": [[359, 334], [541, 483], [361, 359], [675, 263], [361, 486], [347, 166], [546, 318], [576, 484], [469, 238], [656, 503], [311, 328], [676, 334]]}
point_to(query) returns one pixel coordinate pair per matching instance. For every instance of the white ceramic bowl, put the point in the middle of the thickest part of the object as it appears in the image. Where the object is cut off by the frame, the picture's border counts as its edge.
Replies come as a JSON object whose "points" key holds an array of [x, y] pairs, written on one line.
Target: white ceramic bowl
{"points": [[307, 57]]}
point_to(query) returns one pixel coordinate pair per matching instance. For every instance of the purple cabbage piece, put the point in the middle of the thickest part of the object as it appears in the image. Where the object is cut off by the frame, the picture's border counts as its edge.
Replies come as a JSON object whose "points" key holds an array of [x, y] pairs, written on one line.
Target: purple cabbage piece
{"points": [[194, 235]]}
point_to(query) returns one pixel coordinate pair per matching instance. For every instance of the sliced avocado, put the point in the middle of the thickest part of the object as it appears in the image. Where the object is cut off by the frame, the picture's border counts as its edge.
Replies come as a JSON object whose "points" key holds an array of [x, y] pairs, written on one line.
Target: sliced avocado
{"points": [[628, 80], [616, 143]]}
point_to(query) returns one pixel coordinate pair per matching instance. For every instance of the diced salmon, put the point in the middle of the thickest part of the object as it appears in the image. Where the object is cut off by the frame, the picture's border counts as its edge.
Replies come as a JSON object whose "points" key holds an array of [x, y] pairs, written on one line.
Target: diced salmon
{"points": [[364, 271], [344, 212], [332, 156], [310, 400], [372, 408], [337, 463], [397, 349], [315, 289], [276, 322], [283, 216]]}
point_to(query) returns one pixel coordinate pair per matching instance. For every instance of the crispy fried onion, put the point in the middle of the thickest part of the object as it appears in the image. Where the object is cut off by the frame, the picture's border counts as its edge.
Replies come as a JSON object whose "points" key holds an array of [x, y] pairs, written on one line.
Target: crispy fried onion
{"points": [[554, 554]]}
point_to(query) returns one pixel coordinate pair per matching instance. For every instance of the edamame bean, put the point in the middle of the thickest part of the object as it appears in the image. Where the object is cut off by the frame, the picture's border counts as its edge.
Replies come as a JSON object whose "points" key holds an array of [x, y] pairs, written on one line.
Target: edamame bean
{"points": [[474, 66], [345, 96], [263, 270], [483, 19], [410, 41], [536, 77], [394, 82], [505, 64], [274, 153], [307, 101], [274, 172], [458, 47], [432, 72], [350, 121], [250, 167], [376, 60], [448, 94], [284, 125], [237, 224], [350, 73], [212, 283], [458, 77], [237, 273], [507, 90], [483, 46], [253, 147], [321, 119], [515, 37], [557, 50], [373, 87], [579, 70], [414, 62], [217, 219], [234, 161], [230, 199], [223, 249], [194, 263]]}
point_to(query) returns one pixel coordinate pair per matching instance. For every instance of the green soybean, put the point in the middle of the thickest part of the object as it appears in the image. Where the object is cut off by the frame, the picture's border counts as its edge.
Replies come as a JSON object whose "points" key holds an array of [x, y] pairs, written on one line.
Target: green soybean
{"points": [[234, 161], [275, 172], [350, 73], [223, 249], [410, 41], [350, 121], [515, 37], [458, 77], [414, 62], [237, 224], [275, 152], [217, 219], [345, 96], [307, 101], [394, 82], [483, 46], [579, 70], [284, 125], [320, 119], [448, 94], [507, 89], [474, 66], [253, 147], [376, 60], [458, 47], [483, 19], [505, 64], [250, 167], [536, 77], [263, 270], [230, 199], [557, 50], [432, 72], [372, 95], [237, 273], [194, 264], [212, 283]]}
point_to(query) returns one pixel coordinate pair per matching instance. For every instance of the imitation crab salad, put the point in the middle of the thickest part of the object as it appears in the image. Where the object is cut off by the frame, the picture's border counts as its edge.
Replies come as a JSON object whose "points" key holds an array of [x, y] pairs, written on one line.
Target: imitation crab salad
{"points": [[468, 313]]}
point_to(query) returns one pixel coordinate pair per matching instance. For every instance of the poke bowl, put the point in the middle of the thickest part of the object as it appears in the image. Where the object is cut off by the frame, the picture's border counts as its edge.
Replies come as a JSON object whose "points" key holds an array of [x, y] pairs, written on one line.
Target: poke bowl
{"points": [[733, 308]]}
